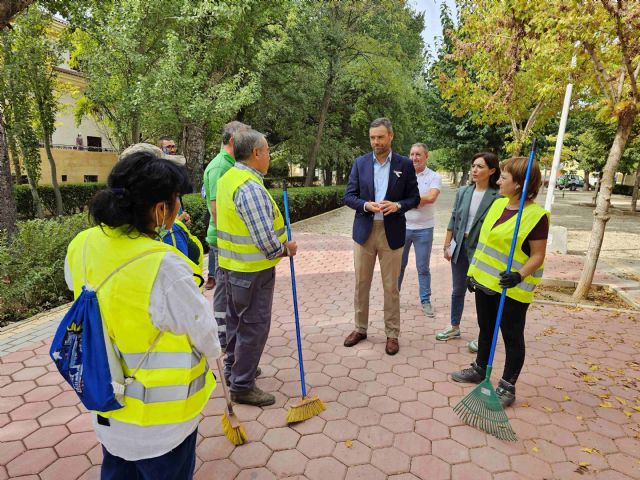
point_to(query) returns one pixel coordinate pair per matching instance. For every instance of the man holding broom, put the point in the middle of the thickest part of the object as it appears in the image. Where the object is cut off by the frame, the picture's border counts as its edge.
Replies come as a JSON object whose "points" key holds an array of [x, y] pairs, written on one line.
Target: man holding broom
{"points": [[251, 242]]}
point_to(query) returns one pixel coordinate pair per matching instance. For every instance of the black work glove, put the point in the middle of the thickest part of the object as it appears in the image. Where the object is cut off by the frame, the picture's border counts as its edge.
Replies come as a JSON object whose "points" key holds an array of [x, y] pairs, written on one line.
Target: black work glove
{"points": [[470, 286], [510, 279]]}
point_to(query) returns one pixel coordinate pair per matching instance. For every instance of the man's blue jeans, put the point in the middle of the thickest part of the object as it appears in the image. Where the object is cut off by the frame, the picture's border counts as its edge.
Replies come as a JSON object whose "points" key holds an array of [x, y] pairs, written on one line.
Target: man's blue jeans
{"points": [[459, 277], [422, 241]]}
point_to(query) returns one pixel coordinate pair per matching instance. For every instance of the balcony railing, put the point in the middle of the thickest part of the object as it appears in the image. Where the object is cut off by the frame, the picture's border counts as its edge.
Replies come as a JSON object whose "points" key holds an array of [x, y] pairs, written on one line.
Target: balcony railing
{"points": [[79, 147]]}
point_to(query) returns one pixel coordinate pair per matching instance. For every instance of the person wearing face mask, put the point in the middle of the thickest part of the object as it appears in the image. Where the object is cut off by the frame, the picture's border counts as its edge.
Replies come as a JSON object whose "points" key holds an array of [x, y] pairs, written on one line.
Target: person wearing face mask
{"points": [[159, 322], [469, 209], [488, 275]]}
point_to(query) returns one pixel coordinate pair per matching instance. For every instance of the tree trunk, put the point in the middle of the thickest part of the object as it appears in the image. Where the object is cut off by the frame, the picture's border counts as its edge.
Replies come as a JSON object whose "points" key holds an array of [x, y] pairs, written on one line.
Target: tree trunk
{"points": [[8, 211], [340, 175], [33, 188], [15, 160], [327, 174], [193, 141], [464, 178], [597, 189], [636, 187], [10, 8], [54, 174], [324, 108], [586, 186], [601, 213]]}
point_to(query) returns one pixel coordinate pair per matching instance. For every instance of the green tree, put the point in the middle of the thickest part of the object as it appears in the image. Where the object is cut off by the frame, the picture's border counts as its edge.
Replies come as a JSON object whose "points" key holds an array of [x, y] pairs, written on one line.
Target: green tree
{"points": [[507, 68], [609, 36]]}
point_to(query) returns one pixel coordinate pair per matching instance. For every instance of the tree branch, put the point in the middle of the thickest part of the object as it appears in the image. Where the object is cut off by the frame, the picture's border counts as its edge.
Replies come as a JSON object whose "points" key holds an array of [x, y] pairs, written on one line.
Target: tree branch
{"points": [[624, 45], [601, 75]]}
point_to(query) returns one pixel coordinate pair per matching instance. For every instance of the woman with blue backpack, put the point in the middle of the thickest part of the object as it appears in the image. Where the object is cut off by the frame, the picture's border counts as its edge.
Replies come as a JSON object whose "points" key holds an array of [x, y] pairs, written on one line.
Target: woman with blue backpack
{"points": [[156, 321]]}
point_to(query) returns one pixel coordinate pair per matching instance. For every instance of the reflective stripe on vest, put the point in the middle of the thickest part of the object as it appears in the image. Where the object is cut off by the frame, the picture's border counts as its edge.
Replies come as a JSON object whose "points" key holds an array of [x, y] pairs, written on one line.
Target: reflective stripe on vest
{"points": [[489, 261], [504, 258], [165, 393], [237, 250], [244, 239], [173, 383], [162, 360]]}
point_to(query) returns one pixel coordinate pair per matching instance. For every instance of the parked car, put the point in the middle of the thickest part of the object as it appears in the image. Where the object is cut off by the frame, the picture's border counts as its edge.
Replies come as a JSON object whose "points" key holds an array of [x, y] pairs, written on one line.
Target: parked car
{"points": [[570, 181]]}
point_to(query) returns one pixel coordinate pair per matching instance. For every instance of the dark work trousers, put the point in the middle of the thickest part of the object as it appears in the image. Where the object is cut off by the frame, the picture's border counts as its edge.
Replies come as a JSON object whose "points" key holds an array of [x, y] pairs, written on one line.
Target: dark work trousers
{"points": [[177, 464], [514, 317], [249, 302], [219, 299]]}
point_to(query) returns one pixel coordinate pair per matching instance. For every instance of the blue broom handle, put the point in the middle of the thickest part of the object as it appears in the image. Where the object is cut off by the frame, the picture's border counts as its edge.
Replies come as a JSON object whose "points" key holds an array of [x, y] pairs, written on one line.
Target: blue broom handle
{"points": [[295, 295], [514, 239]]}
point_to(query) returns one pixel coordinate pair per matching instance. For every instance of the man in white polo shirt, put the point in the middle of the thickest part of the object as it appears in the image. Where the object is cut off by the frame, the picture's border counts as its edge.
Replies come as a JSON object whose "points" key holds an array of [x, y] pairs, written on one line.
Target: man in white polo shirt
{"points": [[420, 224]]}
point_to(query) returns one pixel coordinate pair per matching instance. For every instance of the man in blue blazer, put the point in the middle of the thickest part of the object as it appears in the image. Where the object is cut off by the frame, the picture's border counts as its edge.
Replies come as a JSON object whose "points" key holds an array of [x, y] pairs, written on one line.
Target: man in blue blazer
{"points": [[382, 187]]}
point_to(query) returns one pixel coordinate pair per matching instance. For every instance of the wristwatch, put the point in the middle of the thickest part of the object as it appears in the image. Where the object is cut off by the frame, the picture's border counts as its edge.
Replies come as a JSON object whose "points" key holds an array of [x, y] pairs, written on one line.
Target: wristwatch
{"points": [[399, 206]]}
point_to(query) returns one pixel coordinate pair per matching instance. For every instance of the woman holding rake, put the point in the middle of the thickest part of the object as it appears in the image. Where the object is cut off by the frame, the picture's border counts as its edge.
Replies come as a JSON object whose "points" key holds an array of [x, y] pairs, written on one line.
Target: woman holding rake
{"points": [[488, 276]]}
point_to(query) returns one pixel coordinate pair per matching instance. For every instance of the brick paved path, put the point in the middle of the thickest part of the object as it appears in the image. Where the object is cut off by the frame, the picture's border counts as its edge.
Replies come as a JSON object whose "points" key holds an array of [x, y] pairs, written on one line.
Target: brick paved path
{"points": [[387, 417]]}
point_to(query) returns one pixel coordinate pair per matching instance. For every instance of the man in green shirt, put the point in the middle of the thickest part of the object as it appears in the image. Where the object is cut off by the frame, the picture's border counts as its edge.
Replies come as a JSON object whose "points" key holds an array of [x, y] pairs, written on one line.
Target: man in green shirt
{"points": [[216, 169]]}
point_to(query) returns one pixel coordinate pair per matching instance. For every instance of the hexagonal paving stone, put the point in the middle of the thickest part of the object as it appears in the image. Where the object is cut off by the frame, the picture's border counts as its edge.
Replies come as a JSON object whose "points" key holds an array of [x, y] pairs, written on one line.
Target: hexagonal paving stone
{"points": [[364, 417], [10, 450], [217, 469], [29, 411], [384, 404], [397, 422], [353, 399], [412, 444], [256, 474], [525, 464], [490, 459], [469, 470], [352, 453], [375, 436], [68, 467], [281, 438], [215, 448], [390, 460], [468, 436], [31, 462], [46, 437], [18, 430], [316, 445], [76, 444], [325, 468], [287, 463], [428, 467], [341, 430], [365, 472], [58, 416], [450, 451], [251, 455]]}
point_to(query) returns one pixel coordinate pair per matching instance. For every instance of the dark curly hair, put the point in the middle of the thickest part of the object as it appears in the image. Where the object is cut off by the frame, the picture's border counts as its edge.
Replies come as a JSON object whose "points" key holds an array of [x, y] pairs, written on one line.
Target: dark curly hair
{"points": [[136, 183]]}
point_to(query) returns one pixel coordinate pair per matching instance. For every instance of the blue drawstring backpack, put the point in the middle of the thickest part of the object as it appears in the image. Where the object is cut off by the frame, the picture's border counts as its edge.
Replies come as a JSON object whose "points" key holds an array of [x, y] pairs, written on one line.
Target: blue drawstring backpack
{"points": [[84, 353]]}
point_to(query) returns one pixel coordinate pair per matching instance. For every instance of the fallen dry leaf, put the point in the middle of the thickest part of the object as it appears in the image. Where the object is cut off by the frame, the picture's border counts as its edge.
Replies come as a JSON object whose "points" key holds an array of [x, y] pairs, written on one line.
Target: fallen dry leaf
{"points": [[348, 443]]}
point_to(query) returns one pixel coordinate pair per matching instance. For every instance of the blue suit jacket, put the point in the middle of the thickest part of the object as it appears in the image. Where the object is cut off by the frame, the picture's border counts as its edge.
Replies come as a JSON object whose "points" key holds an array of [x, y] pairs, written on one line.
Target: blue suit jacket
{"points": [[402, 188]]}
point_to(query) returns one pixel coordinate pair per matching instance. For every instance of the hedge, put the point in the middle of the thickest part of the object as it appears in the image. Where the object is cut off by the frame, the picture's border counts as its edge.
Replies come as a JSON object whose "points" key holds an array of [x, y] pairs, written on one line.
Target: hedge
{"points": [[75, 196], [32, 264], [623, 189]]}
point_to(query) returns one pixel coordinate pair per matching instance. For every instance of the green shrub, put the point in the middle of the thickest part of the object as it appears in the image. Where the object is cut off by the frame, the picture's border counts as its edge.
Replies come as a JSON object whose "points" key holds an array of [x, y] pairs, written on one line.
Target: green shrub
{"points": [[32, 266], [276, 182], [75, 197], [304, 202], [623, 189]]}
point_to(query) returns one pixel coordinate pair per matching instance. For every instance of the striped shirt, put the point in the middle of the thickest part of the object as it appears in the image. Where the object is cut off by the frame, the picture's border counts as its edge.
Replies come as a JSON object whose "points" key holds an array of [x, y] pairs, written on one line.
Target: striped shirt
{"points": [[256, 210]]}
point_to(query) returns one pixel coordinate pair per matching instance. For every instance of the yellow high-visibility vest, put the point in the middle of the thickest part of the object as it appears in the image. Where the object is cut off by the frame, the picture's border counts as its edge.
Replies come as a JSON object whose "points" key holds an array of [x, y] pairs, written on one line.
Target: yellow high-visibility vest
{"points": [[491, 254], [236, 249], [194, 239], [174, 382]]}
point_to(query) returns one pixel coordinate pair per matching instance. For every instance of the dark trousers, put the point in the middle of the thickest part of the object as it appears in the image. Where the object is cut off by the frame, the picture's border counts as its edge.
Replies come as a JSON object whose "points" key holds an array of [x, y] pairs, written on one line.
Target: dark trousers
{"points": [[459, 278], [512, 325], [177, 464], [219, 297], [249, 302]]}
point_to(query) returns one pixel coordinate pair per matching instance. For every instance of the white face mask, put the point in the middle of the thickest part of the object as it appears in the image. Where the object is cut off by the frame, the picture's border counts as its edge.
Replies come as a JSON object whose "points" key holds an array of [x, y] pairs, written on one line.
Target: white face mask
{"points": [[161, 230]]}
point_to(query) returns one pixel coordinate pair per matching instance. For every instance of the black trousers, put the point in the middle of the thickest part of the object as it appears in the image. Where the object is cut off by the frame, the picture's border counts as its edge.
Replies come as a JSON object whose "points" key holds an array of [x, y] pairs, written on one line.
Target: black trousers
{"points": [[512, 325]]}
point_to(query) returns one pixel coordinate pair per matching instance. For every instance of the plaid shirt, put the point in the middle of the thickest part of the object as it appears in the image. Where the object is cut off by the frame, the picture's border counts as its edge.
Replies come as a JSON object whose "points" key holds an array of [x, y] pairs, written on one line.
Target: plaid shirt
{"points": [[256, 210]]}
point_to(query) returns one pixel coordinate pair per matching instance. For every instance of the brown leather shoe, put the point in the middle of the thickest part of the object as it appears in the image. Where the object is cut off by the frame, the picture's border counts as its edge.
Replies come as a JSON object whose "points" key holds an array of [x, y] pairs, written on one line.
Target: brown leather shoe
{"points": [[354, 338], [211, 283], [392, 346]]}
